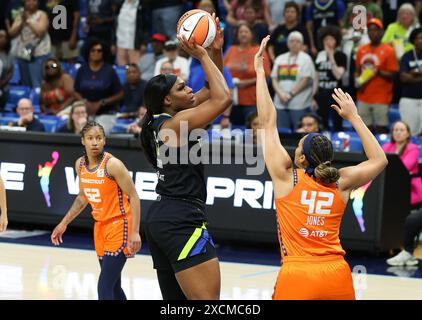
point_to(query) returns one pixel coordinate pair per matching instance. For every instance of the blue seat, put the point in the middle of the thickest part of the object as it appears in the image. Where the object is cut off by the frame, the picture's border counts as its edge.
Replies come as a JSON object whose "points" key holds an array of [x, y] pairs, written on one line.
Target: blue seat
{"points": [[81, 33], [120, 128], [124, 120], [5, 120], [18, 92], [10, 107], [284, 130], [418, 141], [393, 116], [16, 79], [121, 72], [50, 124], [71, 68], [338, 139], [35, 96], [383, 138]]}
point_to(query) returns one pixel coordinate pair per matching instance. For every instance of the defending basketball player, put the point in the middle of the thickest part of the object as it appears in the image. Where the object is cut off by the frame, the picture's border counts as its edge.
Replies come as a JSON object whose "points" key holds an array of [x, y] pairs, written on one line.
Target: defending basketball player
{"points": [[3, 207], [182, 249], [311, 198], [105, 183]]}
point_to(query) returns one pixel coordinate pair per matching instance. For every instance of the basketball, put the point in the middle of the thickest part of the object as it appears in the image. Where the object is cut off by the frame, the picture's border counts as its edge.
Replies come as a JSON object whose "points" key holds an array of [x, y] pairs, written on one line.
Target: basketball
{"points": [[199, 24]]}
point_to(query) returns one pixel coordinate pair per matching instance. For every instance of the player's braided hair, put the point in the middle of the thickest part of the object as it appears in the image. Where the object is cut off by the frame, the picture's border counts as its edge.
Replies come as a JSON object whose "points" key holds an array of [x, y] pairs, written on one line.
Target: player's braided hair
{"points": [[89, 125], [322, 153]]}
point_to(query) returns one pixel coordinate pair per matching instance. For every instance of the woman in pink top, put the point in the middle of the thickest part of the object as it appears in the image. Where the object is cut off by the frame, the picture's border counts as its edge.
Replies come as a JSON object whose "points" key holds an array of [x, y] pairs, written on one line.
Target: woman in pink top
{"points": [[409, 154]]}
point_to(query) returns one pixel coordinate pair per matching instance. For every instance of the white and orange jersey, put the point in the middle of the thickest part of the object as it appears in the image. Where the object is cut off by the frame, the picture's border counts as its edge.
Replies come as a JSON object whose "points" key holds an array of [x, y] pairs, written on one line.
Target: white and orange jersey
{"points": [[309, 218], [102, 191]]}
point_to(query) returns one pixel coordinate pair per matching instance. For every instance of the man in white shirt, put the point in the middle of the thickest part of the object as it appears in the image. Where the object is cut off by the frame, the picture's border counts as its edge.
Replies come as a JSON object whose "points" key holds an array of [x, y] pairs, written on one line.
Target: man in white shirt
{"points": [[180, 64]]}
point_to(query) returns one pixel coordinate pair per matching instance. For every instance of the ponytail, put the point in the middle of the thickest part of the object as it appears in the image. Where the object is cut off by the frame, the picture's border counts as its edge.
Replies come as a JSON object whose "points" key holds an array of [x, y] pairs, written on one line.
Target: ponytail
{"points": [[326, 173], [148, 139]]}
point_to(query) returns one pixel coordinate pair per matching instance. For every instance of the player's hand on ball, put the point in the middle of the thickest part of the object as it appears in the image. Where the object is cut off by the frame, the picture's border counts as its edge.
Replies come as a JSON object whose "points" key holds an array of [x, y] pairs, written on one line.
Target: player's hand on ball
{"points": [[191, 47], [218, 42]]}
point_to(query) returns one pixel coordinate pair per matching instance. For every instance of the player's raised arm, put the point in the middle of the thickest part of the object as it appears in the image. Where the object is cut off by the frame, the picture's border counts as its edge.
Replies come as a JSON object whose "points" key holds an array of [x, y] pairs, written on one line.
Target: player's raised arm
{"points": [[276, 157], [3, 207], [78, 205], [356, 176]]}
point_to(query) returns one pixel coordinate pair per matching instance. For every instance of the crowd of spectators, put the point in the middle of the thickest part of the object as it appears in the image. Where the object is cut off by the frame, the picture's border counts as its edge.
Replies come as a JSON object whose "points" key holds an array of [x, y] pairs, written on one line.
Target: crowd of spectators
{"points": [[110, 48]]}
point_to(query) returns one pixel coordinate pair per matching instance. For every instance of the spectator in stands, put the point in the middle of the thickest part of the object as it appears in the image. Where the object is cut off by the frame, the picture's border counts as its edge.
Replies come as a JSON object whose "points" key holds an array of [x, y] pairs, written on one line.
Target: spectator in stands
{"points": [[167, 68], [131, 31], [239, 59], [13, 10], [260, 29], [6, 68], [277, 9], [64, 41], [309, 123], [197, 82], [373, 10], [133, 89], [411, 80], [353, 38], [56, 89], [136, 127], [33, 43], [77, 118], [291, 22], [100, 20], [180, 64], [148, 61], [252, 123], [98, 83], [376, 66], [321, 13], [236, 15], [389, 9], [165, 15], [292, 76], [27, 119], [409, 153], [330, 66], [397, 33]]}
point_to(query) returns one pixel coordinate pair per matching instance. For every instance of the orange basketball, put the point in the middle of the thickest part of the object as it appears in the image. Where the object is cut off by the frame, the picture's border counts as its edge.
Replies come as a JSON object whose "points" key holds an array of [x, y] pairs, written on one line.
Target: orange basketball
{"points": [[199, 24]]}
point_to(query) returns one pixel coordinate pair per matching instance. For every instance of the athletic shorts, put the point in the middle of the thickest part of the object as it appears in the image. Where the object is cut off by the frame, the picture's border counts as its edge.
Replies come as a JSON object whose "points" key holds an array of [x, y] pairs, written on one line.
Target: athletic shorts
{"points": [[314, 278], [177, 235], [112, 236]]}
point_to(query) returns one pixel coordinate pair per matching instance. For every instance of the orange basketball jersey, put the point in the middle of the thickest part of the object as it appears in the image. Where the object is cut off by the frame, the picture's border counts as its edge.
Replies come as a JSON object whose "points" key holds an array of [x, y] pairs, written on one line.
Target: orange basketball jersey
{"points": [[309, 218], [102, 191]]}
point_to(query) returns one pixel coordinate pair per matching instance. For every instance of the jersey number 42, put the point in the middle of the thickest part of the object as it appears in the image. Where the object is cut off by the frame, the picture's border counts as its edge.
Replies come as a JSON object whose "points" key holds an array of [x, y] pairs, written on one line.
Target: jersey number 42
{"points": [[318, 202]]}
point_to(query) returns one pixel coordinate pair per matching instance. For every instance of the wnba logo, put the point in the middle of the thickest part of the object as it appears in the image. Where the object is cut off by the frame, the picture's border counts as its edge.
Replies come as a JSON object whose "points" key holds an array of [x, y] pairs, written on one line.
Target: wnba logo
{"points": [[304, 232]]}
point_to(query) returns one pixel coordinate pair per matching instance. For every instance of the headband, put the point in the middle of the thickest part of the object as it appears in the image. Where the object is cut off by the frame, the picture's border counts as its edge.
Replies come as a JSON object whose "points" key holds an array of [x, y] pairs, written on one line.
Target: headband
{"points": [[307, 152], [170, 81]]}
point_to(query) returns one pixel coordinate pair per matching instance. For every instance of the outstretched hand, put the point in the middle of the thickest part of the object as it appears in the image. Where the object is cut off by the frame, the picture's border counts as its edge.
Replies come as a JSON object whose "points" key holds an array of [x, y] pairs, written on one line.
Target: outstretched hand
{"points": [[191, 47], [346, 107], [259, 57]]}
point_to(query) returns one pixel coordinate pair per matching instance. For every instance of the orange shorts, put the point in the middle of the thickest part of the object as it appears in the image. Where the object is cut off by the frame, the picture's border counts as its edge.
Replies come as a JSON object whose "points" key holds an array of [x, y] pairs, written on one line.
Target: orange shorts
{"points": [[314, 278], [112, 236]]}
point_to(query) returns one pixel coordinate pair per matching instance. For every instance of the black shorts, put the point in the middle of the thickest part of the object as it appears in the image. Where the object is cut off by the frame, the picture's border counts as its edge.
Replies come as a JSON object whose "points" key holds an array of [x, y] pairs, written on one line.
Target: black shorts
{"points": [[177, 235]]}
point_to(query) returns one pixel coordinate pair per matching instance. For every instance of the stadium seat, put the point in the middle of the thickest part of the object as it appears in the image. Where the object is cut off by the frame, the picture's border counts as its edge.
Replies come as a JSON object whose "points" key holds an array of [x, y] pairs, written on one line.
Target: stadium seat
{"points": [[71, 68], [120, 128], [418, 141], [382, 138], [16, 79], [5, 120], [81, 33], [18, 92], [338, 139], [50, 122], [121, 72], [284, 130], [83, 6], [393, 116]]}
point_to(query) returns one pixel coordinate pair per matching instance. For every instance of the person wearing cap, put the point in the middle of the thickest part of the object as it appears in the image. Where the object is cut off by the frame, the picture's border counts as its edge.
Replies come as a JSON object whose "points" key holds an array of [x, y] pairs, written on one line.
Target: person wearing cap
{"points": [[292, 76], [397, 33], [149, 60], [410, 104], [180, 64], [376, 65]]}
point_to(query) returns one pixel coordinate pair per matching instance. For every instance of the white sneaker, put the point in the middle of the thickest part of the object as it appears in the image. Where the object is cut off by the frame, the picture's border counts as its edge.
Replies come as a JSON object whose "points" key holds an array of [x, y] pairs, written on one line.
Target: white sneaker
{"points": [[404, 258]]}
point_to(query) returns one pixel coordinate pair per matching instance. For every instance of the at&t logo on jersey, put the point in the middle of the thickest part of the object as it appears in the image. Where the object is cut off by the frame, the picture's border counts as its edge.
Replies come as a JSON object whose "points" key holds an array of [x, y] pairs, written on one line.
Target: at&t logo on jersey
{"points": [[313, 234]]}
